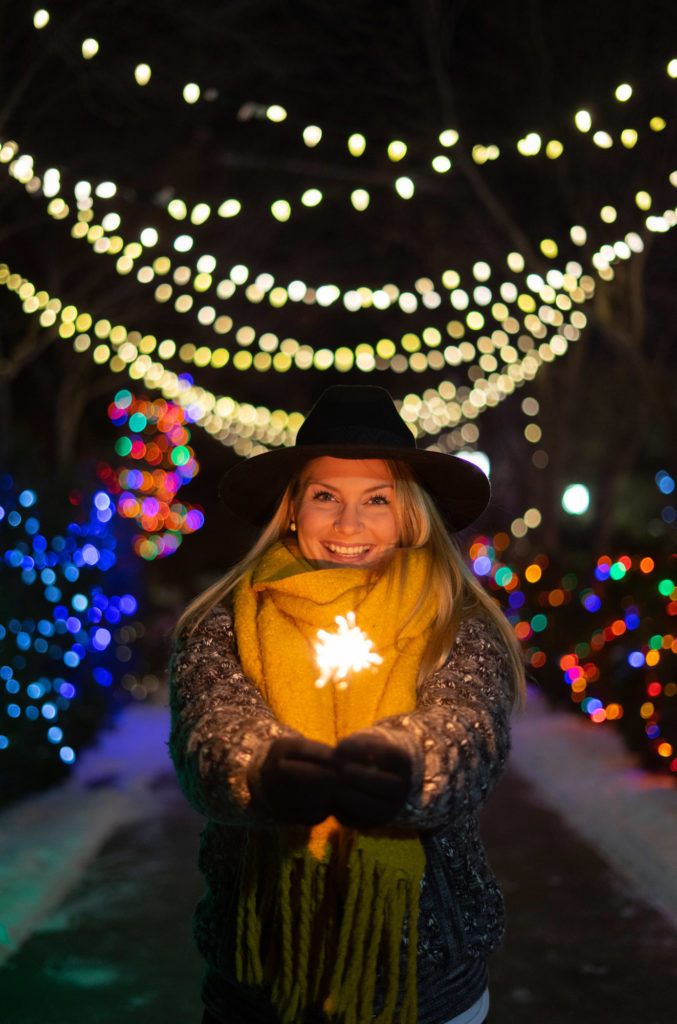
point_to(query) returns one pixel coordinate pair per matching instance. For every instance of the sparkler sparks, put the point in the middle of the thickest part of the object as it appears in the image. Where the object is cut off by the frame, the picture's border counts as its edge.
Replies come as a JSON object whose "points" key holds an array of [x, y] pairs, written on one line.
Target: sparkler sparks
{"points": [[347, 650]]}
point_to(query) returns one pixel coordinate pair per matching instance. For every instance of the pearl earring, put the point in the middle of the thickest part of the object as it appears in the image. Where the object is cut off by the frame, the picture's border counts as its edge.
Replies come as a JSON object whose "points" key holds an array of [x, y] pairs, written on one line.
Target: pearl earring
{"points": [[292, 526]]}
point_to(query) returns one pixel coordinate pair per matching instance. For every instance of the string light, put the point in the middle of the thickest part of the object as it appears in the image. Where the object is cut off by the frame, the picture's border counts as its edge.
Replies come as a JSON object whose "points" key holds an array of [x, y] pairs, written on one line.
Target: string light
{"points": [[220, 416], [184, 243], [404, 187], [191, 92], [312, 135], [90, 48], [414, 360], [22, 168], [282, 210], [397, 150], [357, 144], [142, 73], [276, 114], [474, 321], [527, 146]]}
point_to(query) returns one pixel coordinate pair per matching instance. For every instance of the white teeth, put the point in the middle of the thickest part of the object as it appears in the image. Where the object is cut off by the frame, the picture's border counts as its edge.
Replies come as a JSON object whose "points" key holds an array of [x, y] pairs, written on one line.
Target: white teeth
{"points": [[346, 551]]}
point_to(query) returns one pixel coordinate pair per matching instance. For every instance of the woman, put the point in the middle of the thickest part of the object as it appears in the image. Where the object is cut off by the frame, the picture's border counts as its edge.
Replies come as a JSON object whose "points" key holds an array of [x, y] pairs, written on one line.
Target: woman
{"points": [[345, 877]]}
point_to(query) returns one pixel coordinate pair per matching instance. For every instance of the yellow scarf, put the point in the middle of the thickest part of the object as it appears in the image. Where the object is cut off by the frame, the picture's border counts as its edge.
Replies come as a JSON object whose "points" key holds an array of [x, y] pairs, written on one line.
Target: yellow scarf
{"points": [[320, 912]]}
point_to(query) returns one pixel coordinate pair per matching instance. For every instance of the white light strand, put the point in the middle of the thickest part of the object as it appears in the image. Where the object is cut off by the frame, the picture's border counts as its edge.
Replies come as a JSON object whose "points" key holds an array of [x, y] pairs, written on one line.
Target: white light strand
{"points": [[246, 428], [415, 353], [530, 145]]}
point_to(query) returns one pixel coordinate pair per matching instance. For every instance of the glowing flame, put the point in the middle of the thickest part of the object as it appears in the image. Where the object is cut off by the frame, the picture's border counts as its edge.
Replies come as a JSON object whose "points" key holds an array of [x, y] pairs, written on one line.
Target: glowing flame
{"points": [[347, 650]]}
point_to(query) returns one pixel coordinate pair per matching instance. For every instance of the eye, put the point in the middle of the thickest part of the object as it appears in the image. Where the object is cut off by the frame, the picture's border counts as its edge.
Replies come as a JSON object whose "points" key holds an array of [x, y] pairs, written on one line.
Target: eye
{"points": [[379, 499], [323, 496]]}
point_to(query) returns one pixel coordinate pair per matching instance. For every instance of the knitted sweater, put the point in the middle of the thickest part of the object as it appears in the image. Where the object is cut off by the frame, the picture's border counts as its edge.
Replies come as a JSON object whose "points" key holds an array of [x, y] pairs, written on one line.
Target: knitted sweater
{"points": [[458, 738]]}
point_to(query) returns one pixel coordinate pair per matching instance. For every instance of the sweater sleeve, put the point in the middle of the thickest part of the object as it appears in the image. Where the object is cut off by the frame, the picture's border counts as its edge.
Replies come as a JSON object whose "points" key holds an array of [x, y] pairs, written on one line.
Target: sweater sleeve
{"points": [[221, 727], [458, 736]]}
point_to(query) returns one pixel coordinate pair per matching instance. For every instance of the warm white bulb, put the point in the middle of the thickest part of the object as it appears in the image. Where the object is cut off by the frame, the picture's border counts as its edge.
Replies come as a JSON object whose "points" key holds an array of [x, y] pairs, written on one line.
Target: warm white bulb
{"points": [[142, 74], [404, 187]]}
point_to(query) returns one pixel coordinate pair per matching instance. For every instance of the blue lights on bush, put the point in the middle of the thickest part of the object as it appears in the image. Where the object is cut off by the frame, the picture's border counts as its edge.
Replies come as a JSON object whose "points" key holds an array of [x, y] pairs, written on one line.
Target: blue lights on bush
{"points": [[58, 614], [100, 639], [665, 482], [103, 676]]}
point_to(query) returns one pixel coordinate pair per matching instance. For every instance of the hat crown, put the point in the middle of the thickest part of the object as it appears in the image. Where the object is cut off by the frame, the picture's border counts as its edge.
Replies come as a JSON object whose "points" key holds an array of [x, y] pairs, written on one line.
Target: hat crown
{"points": [[355, 422], [355, 415]]}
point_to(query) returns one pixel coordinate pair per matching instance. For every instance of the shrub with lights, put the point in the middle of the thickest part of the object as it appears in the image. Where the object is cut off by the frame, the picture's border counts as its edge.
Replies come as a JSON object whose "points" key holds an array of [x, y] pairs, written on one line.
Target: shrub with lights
{"points": [[604, 641], [159, 462], [623, 668], [67, 630], [67, 607]]}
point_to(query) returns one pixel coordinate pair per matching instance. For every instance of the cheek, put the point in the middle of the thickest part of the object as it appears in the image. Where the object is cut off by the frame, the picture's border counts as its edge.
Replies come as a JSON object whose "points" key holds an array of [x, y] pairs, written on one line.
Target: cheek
{"points": [[308, 524], [388, 529], [396, 532]]}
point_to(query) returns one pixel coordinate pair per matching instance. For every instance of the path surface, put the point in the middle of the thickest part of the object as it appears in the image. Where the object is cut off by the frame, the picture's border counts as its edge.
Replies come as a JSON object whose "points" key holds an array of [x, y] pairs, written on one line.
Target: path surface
{"points": [[584, 945]]}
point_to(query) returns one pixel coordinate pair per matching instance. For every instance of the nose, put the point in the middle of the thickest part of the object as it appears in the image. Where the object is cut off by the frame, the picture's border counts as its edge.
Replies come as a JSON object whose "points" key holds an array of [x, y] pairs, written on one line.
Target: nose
{"points": [[348, 521]]}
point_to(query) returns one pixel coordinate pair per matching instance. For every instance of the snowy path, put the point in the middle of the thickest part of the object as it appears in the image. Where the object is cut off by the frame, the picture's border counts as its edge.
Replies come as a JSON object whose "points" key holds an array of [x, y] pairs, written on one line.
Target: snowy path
{"points": [[577, 769], [584, 772]]}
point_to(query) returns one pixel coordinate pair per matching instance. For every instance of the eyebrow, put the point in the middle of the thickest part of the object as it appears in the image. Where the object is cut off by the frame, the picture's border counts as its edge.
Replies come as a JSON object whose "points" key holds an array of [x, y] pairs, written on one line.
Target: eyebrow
{"points": [[367, 490]]}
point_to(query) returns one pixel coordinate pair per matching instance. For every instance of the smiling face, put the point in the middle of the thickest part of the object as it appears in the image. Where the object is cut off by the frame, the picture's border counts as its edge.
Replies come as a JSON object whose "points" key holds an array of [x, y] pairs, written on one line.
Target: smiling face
{"points": [[346, 514]]}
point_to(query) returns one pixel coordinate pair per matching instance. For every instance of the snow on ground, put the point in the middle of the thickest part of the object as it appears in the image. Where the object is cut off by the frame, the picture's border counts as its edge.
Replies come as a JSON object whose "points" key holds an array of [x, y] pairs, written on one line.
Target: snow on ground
{"points": [[582, 771], [585, 772], [47, 838]]}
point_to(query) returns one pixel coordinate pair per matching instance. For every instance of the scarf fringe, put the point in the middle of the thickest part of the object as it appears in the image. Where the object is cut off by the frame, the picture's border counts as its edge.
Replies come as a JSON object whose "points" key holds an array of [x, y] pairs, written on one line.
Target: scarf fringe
{"points": [[318, 954]]}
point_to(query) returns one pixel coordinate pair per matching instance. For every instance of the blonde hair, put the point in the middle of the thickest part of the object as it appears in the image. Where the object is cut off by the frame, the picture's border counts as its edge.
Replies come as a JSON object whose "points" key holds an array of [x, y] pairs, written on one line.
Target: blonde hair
{"points": [[459, 594]]}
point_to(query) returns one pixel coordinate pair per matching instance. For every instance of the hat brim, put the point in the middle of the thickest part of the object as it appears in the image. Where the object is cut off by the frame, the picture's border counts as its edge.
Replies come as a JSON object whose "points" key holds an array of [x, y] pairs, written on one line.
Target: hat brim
{"points": [[252, 489]]}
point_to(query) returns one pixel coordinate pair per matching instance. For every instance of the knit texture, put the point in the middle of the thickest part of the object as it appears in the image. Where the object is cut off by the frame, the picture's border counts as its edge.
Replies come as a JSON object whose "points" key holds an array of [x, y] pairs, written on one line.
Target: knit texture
{"points": [[321, 951]]}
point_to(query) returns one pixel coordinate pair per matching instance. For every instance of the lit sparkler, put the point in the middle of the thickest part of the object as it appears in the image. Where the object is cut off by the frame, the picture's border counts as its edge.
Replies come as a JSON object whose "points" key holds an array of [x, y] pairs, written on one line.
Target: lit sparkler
{"points": [[347, 650]]}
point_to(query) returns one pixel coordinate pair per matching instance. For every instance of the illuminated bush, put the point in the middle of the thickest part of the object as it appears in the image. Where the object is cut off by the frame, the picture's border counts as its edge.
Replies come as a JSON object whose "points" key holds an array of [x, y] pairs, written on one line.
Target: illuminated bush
{"points": [[159, 461], [67, 632], [604, 644]]}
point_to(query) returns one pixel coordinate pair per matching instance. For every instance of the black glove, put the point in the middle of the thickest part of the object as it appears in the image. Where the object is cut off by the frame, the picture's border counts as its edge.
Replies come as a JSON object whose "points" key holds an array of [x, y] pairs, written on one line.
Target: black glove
{"points": [[374, 780], [298, 780]]}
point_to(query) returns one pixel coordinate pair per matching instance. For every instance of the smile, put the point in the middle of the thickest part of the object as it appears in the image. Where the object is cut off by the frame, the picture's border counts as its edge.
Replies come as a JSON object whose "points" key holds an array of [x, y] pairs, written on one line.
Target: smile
{"points": [[348, 550]]}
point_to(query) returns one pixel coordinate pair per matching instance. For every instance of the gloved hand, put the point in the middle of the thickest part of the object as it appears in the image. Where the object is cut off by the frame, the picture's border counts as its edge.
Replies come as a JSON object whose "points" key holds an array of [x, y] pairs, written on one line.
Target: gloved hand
{"points": [[374, 778], [298, 780]]}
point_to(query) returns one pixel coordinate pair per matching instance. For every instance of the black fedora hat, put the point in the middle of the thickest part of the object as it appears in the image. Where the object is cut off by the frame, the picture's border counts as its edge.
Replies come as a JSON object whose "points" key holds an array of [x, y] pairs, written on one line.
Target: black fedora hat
{"points": [[355, 422]]}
